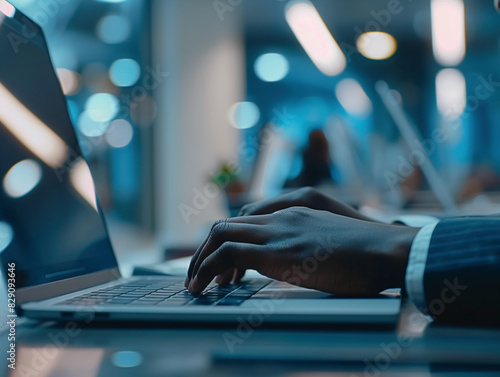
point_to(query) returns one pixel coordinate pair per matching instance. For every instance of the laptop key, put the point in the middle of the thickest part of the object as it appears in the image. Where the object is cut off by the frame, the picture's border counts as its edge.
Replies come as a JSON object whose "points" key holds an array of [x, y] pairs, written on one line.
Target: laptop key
{"points": [[149, 298], [226, 288], [167, 303], [132, 294], [179, 299], [148, 302], [162, 294], [231, 301], [204, 301], [184, 294], [143, 303]]}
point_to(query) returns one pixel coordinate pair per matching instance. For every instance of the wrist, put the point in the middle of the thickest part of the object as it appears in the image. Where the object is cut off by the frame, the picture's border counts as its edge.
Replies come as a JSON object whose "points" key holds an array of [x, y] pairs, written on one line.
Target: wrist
{"points": [[401, 240]]}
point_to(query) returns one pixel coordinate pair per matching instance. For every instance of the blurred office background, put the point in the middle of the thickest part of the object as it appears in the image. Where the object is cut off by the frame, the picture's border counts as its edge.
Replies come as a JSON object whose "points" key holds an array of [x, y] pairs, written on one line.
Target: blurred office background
{"points": [[188, 109]]}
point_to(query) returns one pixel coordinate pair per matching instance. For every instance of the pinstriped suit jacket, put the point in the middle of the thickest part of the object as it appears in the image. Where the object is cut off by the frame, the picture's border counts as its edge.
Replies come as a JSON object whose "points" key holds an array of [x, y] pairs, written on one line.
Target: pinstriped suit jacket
{"points": [[462, 273]]}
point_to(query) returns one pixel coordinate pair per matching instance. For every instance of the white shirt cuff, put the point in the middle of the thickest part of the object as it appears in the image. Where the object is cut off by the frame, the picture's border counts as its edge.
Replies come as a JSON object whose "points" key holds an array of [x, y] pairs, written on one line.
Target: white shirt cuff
{"points": [[417, 221], [416, 266]]}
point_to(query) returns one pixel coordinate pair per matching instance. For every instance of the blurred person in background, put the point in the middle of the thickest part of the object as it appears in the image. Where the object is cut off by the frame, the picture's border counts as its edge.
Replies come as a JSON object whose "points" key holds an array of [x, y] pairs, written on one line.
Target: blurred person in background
{"points": [[484, 178], [316, 163], [450, 268]]}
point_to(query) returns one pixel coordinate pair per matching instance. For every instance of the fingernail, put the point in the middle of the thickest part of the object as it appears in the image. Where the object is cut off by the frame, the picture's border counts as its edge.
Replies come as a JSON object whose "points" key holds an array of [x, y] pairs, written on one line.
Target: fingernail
{"points": [[193, 286], [218, 279], [186, 282]]}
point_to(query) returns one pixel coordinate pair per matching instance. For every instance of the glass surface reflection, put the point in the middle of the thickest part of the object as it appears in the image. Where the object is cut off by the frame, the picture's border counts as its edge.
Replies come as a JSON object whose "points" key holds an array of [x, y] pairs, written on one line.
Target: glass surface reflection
{"points": [[47, 194]]}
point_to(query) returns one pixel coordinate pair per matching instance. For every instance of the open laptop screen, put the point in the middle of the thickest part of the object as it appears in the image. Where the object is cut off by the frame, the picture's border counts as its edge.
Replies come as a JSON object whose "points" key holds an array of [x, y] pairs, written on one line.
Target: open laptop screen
{"points": [[50, 226]]}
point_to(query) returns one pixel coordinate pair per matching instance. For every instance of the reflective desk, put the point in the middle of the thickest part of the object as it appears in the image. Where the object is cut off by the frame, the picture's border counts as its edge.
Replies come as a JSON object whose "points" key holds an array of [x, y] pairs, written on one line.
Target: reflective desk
{"points": [[415, 348]]}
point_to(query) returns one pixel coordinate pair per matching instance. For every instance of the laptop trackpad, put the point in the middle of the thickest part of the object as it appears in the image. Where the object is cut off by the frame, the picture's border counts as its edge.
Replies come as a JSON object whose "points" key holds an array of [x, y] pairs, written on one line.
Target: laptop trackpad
{"points": [[288, 291]]}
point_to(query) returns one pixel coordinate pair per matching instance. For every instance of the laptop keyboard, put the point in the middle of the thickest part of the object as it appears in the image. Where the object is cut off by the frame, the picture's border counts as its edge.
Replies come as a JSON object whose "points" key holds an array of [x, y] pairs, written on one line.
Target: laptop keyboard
{"points": [[167, 293]]}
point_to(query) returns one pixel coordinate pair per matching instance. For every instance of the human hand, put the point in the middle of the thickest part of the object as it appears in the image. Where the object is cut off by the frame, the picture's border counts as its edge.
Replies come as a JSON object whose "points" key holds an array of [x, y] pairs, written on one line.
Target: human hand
{"points": [[309, 248], [303, 197]]}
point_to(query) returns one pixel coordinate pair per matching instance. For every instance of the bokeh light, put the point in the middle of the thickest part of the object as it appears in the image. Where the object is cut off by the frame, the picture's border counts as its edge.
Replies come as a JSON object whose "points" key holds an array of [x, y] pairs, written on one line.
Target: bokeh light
{"points": [[126, 359], [81, 180], [6, 235], [271, 67], [125, 72], [22, 178], [451, 92], [120, 133], [448, 31], [70, 81], [102, 107], [376, 45], [96, 76], [243, 115], [314, 36], [90, 127], [7, 9], [113, 29], [353, 98]]}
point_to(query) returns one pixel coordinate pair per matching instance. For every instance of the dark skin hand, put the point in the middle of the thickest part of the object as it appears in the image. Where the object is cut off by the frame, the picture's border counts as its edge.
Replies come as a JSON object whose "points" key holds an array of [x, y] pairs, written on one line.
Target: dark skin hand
{"points": [[304, 197], [323, 250]]}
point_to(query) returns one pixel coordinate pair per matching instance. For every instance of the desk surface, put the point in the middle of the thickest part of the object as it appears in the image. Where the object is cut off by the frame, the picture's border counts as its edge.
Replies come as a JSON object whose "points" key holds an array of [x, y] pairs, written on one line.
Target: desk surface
{"points": [[415, 348]]}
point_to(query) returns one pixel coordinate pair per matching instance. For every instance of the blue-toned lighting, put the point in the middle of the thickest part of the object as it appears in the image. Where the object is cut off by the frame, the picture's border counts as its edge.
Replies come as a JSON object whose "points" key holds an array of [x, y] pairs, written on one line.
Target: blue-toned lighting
{"points": [[113, 29], [451, 93], [111, 1], [22, 178], [243, 115], [353, 98], [271, 67], [73, 110], [125, 72], [314, 36], [7, 8], [102, 107], [24, 3], [90, 127], [6, 235], [120, 133], [70, 81], [126, 359]]}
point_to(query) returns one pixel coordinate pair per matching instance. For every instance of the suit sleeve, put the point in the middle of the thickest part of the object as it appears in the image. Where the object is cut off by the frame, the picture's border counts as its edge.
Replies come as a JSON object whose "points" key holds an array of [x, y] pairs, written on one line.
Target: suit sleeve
{"points": [[461, 280]]}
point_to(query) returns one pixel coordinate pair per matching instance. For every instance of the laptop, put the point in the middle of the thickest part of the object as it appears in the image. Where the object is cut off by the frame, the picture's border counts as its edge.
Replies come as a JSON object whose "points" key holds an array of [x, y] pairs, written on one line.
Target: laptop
{"points": [[54, 245], [414, 141]]}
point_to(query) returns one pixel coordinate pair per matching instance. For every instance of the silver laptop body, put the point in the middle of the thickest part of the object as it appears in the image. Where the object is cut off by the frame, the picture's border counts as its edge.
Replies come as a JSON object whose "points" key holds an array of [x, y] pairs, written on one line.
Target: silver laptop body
{"points": [[53, 238]]}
